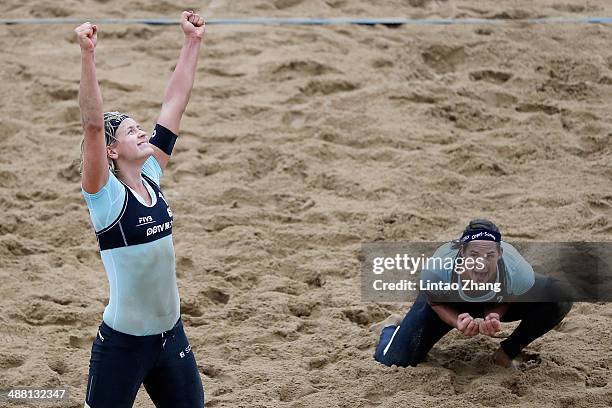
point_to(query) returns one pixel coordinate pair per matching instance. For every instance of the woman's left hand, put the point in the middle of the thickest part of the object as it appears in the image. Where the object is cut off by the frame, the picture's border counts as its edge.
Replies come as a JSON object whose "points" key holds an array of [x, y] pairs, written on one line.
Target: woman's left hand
{"points": [[490, 325], [192, 24]]}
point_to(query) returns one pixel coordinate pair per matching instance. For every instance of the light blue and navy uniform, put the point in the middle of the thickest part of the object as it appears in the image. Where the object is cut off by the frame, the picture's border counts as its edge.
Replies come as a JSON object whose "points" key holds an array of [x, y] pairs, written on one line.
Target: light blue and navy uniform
{"points": [[421, 328], [141, 338], [136, 247]]}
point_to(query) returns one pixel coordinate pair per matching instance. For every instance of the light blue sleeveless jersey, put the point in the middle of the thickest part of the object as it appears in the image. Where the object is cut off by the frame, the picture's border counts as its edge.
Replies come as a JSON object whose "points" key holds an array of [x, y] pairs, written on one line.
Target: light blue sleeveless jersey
{"points": [[144, 296]]}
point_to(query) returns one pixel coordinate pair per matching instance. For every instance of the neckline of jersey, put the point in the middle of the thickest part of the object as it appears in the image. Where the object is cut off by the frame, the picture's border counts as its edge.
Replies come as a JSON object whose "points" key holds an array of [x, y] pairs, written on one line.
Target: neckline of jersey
{"points": [[150, 191]]}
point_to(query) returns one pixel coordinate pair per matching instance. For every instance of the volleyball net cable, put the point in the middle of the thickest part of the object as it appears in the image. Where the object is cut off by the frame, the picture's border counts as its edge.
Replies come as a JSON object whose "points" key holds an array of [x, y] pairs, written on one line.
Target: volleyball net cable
{"points": [[393, 22]]}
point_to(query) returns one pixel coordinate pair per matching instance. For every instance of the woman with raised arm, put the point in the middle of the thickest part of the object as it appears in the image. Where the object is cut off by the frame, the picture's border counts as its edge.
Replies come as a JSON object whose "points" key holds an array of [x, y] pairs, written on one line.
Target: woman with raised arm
{"points": [[141, 338]]}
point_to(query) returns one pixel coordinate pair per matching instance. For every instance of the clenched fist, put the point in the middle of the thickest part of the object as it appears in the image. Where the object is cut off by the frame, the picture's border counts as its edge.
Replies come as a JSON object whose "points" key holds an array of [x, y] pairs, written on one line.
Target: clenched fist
{"points": [[192, 24], [490, 325], [467, 325], [87, 34]]}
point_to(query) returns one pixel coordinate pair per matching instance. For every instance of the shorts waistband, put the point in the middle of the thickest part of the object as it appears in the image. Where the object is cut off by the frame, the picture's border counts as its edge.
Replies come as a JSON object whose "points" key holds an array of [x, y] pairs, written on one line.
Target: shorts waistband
{"points": [[115, 333]]}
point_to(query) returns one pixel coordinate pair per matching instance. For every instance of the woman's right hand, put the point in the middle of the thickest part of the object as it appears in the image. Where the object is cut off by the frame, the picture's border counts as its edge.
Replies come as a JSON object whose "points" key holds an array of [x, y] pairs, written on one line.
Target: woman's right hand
{"points": [[87, 34], [467, 325]]}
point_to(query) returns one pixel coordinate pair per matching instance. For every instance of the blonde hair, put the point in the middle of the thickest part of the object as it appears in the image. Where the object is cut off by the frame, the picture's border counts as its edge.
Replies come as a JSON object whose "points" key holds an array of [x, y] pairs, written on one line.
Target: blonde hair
{"points": [[112, 120]]}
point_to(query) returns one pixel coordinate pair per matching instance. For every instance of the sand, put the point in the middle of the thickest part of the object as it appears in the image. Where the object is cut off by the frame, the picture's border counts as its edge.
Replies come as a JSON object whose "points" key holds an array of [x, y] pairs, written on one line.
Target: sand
{"points": [[299, 144]]}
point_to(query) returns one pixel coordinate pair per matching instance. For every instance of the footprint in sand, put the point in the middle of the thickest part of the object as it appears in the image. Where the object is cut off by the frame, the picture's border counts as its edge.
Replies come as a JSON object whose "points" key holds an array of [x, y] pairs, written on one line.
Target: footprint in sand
{"points": [[302, 308], [498, 99], [318, 362], [23, 72], [59, 365], [81, 342], [293, 203], [379, 63], [600, 203], [570, 70], [213, 372], [285, 4], [415, 97], [108, 84], [8, 178], [62, 93], [496, 77], [88, 256], [518, 385], [42, 312], [419, 3], [514, 14], [569, 8], [46, 11], [184, 263], [527, 361], [292, 391], [299, 68], [40, 195], [364, 316], [328, 87], [483, 31], [191, 308], [11, 360], [537, 107], [221, 71], [70, 173], [294, 119], [443, 58], [216, 295], [17, 247], [262, 162]]}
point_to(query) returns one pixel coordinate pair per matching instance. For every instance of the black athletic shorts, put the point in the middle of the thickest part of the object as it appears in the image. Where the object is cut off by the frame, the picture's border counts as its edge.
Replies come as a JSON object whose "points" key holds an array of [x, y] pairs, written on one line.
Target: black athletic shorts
{"points": [[164, 362]]}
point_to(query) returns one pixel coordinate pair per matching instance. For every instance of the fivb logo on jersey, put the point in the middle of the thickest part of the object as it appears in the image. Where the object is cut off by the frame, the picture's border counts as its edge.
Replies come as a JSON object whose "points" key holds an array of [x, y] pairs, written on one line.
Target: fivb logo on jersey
{"points": [[145, 220]]}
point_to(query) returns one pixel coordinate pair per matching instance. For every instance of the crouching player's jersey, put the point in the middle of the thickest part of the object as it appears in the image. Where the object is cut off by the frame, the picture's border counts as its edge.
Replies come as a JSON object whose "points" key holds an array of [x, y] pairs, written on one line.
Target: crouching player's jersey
{"points": [[135, 241], [515, 276]]}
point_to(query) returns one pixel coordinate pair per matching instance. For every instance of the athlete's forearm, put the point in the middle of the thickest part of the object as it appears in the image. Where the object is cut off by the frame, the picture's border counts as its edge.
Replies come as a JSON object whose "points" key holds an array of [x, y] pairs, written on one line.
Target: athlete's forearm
{"points": [[500, 309], [90, 96], [179, 88], [446, 313]]}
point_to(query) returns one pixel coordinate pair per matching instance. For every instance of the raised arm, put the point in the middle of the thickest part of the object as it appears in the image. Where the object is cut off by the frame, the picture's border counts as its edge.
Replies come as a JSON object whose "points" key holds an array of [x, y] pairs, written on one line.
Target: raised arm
{"points": [[95, 163], [181, 82]]}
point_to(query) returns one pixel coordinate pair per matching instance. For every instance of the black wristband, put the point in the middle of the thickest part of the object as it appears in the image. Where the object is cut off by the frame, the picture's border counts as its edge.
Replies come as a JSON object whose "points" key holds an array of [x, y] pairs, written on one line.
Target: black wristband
{"points": [[163, 138]]}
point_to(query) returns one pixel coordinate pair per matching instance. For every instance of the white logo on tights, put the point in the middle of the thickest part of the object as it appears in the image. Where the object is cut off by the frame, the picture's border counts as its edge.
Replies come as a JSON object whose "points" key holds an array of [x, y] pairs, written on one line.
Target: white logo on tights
{"points": [[187, 351]]}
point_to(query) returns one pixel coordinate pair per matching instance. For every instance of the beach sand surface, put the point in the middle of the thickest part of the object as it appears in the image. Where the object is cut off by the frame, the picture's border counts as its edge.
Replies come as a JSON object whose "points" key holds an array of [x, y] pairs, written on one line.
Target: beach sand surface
{"points": [[300, 143]]}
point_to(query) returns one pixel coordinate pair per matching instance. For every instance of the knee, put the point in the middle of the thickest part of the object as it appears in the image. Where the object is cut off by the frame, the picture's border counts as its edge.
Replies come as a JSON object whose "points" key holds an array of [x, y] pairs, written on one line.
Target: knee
{"points": [[555, 311], [381, 359], [560, 308], [390, 360]]}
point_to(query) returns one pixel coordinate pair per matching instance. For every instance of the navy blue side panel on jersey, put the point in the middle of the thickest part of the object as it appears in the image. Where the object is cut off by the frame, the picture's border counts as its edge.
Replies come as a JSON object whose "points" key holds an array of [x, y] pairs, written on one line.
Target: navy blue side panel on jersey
{"points": [[138, 224]]}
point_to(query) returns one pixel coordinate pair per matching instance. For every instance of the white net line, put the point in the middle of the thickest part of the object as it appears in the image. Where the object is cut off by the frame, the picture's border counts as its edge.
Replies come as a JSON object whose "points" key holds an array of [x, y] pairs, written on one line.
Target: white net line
{"points": [[318, 21]]}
